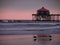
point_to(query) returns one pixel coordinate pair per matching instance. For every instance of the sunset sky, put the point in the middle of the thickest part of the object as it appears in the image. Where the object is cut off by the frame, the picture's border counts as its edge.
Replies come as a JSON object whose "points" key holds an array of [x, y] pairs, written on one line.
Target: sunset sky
{"points": [[23, 9]]}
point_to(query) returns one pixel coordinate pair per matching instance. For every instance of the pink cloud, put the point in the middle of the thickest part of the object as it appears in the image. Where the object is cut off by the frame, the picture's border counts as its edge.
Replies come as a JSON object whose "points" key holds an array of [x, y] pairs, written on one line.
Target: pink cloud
{"points": [[20, 15], [55, 11], [16, 15]]}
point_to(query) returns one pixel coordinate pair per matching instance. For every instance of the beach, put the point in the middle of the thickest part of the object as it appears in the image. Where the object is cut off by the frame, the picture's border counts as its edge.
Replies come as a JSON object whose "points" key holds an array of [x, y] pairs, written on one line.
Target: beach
{"points": [[27, 40]]}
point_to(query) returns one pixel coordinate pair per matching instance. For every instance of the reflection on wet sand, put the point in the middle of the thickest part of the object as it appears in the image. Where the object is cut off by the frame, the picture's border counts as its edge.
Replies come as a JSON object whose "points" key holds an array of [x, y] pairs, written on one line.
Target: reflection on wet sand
{"points": [[47, 39], [43, 38], [52, 39]]}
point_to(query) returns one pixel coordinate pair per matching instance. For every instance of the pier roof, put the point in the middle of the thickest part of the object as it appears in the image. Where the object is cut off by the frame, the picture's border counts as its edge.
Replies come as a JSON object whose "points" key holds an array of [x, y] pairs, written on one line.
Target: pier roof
{"points": [[43, 9]]}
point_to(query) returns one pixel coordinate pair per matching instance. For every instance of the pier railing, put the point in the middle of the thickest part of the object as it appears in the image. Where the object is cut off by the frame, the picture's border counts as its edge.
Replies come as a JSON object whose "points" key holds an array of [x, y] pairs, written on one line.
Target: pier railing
{"points": [[51, 17]]}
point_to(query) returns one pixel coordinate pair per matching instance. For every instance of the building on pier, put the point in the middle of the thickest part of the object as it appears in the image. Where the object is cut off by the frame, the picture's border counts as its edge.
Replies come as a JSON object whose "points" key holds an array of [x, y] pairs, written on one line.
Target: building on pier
{"points": [[44, 14]]}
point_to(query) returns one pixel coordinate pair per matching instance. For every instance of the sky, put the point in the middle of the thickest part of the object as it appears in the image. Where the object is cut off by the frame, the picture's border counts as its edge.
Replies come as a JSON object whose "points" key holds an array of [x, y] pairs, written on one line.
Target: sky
{"points": [[23, 9]]}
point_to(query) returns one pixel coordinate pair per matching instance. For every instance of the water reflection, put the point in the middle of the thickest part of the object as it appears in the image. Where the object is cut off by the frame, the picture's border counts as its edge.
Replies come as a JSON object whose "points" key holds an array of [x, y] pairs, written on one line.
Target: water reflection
{"points": [[39, 39], [43, 38], [47, 39]]}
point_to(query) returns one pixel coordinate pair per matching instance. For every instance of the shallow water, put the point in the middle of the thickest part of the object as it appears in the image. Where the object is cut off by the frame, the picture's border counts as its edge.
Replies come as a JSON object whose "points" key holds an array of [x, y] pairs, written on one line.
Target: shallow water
{"points": [[28, 40]]}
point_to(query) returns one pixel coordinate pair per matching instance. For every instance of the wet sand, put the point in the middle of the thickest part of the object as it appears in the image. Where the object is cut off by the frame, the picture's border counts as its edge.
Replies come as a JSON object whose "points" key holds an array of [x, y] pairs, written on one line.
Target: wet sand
{"points": [[27, 40]]}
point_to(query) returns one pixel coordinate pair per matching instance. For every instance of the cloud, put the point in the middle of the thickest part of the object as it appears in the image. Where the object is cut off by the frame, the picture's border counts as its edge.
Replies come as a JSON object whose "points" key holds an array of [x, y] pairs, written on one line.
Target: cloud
{"points": [[29, 4], [20, 9]]}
